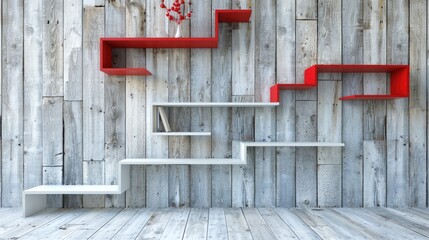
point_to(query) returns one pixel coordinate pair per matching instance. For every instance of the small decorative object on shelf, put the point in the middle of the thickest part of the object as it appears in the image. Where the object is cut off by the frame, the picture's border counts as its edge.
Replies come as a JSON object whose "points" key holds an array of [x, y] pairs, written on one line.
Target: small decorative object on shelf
{"points": [[108, 44], [176, 13]]}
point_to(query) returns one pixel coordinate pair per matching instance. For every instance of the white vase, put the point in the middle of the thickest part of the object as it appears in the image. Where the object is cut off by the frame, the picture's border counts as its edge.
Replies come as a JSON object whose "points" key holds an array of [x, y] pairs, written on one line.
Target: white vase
{"points": [[178, 32]]}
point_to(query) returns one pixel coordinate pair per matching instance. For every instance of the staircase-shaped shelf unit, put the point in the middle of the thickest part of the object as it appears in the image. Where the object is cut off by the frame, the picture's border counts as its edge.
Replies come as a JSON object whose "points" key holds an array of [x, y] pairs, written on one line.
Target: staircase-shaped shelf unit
{"points": [[399, 80], [107, 44], [34, 199]]}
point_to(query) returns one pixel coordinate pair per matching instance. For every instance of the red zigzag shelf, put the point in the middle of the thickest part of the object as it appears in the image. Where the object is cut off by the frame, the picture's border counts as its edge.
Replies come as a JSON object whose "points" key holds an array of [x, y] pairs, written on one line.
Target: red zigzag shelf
{"points": [[107, 44], [399, 80]]}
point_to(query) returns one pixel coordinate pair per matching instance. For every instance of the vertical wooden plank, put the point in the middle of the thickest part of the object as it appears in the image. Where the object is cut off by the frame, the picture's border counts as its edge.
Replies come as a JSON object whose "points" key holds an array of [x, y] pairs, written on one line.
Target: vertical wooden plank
{"points": [[306, 9], [114, 102], [53, 51], [374, 185], [156, 91], [73, 150], [135, 104], [306, 116], [33, 80], [179, 90], [93, 103], [243, 56], [306, 175], [352, 125], [53, 149], [329, 130], [265, 127], [243, 176], [53, 175], [285, 119], [12, 103], [93, 88], [417, 104], [374, 36], [72, 50], [93, 174], [201, 117], [306, 55], [221, 117]]}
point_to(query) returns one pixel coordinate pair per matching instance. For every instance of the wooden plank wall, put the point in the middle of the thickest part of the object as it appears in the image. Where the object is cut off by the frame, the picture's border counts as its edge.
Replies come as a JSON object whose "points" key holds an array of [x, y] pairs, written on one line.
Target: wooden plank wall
{"points": [[65, 122]]}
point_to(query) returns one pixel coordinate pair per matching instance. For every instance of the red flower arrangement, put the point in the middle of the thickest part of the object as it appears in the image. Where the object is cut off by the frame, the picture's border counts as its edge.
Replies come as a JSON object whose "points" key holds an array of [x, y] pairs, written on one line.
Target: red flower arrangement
{"points": [[176, 12]]}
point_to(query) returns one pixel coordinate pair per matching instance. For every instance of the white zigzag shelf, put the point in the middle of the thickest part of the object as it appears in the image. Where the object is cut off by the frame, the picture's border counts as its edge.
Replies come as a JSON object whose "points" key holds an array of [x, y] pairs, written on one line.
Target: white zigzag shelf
{"points": [[34, 199]]}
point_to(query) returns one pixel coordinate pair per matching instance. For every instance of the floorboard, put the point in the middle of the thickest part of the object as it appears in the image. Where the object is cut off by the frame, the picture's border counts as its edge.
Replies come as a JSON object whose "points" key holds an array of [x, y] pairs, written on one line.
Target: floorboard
{"points": [[217, 223]]}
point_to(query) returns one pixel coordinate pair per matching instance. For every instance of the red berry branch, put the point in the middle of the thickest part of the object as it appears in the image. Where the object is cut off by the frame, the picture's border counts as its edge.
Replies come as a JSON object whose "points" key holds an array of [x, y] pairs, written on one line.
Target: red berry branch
{"points": [[177, 11]]}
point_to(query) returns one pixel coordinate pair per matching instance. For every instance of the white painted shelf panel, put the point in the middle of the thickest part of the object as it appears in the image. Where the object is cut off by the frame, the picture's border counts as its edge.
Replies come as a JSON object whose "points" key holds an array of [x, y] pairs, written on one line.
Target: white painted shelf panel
{"points": [[74, 189], [181, 133], [293, 144], [186, 161], [215, 104]]}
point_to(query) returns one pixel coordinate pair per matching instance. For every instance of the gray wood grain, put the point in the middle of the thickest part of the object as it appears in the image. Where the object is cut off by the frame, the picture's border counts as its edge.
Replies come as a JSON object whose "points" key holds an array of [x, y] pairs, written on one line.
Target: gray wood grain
{"points": [[375, 171], [179, 90], [417, 110], [12, 103], [374, 52], [265, 125], [243, 43], [306, 9], [53, 48], [221, 117], [243, 176], [156, 91], [352, 121], [53, 148], [53, 151], [114, 102], [201, 26], [53, 175], [93, 174], [329, 117], [329, 185], [73, 50], [93, 86], [285, 118], [73, 150], [306, 55], [135, 103], [306, 158], [33, 79]]}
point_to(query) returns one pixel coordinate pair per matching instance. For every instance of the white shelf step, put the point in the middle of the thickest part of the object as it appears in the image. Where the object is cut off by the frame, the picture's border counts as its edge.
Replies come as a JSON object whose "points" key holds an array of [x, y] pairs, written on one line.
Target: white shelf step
{"points": [[215, 104], [74, 189], [293, 144], [181, 133], [185, 161]]}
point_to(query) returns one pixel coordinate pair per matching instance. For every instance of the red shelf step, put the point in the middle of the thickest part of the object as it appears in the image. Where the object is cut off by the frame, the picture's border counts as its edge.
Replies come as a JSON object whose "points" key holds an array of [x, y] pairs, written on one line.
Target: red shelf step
{"points": [[399, 80], [107, 44]]}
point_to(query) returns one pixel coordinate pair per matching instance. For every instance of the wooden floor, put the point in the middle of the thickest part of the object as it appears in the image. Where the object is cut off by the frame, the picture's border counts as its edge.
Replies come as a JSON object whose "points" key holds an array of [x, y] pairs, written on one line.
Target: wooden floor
{"points": [[216, 223]]}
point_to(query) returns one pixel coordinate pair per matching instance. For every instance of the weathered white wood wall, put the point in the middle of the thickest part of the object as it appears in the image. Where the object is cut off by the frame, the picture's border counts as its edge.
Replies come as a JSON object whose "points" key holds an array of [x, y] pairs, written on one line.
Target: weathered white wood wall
{"points": [[65, 122]]}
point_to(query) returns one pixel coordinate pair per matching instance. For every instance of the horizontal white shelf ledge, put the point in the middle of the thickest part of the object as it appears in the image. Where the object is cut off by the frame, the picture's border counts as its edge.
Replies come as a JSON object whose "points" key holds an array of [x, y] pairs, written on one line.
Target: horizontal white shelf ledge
{"points": [[181, 133], [215, 104], [186, 161], [74, 189], [292, 144]]}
